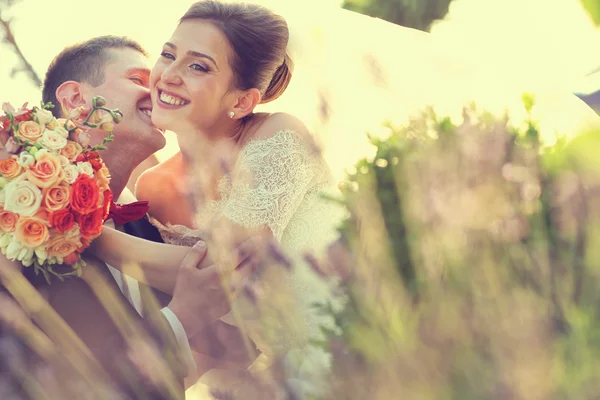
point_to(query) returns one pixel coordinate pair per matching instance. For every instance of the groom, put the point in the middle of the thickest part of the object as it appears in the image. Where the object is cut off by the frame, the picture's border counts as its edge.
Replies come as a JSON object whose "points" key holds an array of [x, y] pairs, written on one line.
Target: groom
{"points": [[116, 68]]}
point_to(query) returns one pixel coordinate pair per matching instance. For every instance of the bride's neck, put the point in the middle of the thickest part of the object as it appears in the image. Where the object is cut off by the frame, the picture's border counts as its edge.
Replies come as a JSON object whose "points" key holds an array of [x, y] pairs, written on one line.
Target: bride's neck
{"points": [[204, 149]]}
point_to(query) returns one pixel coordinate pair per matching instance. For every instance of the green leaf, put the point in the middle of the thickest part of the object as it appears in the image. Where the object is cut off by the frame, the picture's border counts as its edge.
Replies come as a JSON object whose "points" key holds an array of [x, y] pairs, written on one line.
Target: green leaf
{"points": [[593, 9]]}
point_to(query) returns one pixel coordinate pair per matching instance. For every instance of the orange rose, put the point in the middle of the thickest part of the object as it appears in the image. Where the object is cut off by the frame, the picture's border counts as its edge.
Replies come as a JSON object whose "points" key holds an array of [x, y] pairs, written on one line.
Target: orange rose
{"points": [[90, 224], [8, 221], [31, 232], [46, 171], [30, 130], [10, 168], [56, 196], [108, 198], [84, 195], [63, 245], [71, 150], [103, 177]]}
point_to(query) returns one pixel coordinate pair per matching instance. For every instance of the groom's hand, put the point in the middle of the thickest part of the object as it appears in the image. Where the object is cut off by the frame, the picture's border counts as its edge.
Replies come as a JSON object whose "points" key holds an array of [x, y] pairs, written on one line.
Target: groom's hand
{"points": [[202, 295]]}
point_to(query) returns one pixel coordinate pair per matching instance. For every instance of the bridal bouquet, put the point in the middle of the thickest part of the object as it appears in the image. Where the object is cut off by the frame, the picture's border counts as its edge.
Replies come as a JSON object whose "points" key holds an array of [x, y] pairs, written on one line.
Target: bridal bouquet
{"points": [[54, 193]]}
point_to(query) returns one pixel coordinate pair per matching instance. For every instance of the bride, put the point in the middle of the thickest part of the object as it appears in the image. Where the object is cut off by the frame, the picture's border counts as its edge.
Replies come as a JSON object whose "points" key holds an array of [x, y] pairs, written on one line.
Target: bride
{"points": [[238, 173]]}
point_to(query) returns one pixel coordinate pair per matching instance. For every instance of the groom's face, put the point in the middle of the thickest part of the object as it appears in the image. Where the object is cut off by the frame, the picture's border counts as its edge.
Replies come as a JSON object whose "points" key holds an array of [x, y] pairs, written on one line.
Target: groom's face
{"points": [[126, 87]]}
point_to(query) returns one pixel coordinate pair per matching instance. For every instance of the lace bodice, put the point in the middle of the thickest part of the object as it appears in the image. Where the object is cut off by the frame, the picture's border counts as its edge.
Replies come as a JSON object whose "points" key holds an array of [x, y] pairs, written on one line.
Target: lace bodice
{"points": [[277, 182]]}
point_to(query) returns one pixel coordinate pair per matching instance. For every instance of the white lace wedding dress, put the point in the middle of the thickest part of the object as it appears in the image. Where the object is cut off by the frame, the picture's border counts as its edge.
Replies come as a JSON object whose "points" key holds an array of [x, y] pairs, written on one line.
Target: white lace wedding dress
{"points": [[279, 182]]}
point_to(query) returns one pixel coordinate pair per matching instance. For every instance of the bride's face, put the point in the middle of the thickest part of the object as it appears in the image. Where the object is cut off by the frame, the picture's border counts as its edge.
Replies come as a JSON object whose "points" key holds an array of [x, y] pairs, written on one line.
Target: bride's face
{"points": [[191, 81]]}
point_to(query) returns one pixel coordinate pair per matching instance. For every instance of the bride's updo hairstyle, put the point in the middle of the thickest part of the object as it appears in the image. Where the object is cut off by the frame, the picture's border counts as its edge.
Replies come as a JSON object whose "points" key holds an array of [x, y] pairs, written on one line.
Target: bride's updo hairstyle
{"points": [[258, 38]]}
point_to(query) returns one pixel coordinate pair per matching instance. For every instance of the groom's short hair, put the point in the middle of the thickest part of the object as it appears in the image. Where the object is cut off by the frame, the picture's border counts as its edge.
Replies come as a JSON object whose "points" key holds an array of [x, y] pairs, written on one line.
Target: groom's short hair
{"points": [[83, 62]]}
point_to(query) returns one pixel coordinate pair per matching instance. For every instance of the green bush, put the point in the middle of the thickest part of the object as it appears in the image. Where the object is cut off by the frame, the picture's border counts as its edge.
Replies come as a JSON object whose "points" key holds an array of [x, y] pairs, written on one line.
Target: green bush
{"points": [[471, 264]]}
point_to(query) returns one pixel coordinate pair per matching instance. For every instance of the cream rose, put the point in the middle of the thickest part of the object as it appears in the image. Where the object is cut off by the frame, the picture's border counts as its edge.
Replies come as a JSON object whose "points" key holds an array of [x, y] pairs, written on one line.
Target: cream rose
{"points": [[46, 171], [53, 140], [62, 245], [31, 232], [22, 197], [70, 173], [85, 168], [60, 129], [43, 117], [103, 178], [64, 161], [30, 130], [71, 150], [63, 121]]}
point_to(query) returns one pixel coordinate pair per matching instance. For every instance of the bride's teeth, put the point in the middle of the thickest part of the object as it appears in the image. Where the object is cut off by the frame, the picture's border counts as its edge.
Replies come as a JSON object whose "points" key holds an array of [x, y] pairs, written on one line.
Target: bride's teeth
{"points": [[165, 98]]}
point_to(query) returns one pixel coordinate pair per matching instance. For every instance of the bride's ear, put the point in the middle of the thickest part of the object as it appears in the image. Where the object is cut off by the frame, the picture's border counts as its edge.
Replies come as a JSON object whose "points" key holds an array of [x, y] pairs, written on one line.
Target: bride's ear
{"points": [[70, 96], [246, 102]]}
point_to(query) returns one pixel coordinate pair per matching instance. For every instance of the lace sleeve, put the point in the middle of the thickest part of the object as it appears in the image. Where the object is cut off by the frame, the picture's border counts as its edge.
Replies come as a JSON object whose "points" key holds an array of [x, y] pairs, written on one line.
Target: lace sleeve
{"points": [[269, 182]]}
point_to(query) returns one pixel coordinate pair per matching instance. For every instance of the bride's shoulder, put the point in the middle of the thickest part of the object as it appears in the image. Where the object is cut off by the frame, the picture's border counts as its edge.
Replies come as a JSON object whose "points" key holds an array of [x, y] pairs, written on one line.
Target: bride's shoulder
{"points": [[277, 124], [154, 181]]}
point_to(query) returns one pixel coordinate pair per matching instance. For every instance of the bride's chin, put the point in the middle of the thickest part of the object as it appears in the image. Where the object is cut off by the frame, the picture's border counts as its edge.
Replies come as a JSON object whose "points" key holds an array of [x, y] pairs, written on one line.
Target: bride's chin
{"points": [[160, 123]]}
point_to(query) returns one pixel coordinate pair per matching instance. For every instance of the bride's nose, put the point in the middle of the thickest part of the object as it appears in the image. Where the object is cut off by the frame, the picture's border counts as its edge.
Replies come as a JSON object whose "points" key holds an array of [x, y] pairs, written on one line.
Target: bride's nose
{"points": [[171, 75]]}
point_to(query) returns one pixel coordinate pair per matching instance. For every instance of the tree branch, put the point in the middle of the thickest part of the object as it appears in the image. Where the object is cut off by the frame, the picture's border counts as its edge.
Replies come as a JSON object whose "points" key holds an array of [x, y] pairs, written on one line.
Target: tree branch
{"points": [[26, 66]]}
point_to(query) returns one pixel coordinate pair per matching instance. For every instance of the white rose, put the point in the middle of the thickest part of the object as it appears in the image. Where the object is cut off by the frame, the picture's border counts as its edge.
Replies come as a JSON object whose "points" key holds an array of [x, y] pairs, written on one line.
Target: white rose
{"points": [[2, 197], [3, 182], [52, 140], [71, 172], [40, 153], [22, 197], [85, 168], [61, 131], [25, 160], [43, 117]]}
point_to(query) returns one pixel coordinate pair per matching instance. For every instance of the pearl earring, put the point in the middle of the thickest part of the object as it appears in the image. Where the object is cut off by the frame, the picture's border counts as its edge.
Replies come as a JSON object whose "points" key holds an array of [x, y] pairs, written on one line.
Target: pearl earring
{"points": [[231, 114]]}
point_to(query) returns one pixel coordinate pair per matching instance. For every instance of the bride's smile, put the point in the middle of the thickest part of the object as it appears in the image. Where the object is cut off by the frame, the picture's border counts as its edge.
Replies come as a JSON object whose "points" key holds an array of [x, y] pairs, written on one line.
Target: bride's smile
{"points": [[170, 100]]}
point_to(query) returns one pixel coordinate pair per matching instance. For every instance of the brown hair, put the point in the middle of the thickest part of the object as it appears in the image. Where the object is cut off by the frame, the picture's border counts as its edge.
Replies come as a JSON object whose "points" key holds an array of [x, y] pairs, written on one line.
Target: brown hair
{"points": [[259, 39], [83, 62]]}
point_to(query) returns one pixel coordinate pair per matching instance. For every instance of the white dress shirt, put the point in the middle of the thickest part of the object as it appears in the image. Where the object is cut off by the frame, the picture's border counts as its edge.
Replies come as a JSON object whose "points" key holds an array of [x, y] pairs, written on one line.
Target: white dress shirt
{"points": [[131, 290]]}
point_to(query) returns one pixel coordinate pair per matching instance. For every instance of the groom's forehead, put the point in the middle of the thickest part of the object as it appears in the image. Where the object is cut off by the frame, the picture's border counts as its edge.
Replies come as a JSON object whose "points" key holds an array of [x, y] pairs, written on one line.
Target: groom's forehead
{"points": [[126, 61]]}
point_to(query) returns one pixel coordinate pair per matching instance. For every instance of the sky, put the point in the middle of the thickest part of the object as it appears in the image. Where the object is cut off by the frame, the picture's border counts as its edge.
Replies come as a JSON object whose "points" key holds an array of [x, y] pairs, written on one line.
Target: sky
{"points": [[537, 43]]}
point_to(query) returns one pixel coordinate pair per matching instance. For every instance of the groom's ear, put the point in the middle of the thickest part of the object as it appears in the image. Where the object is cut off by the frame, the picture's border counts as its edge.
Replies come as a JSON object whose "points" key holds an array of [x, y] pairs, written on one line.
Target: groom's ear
{"points": [[246, 102], [70, 95]]}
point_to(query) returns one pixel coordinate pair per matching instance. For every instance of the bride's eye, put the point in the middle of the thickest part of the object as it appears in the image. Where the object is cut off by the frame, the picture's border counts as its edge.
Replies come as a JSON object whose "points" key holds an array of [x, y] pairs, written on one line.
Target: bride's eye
{"points": [[198, 67], [167, 55]]}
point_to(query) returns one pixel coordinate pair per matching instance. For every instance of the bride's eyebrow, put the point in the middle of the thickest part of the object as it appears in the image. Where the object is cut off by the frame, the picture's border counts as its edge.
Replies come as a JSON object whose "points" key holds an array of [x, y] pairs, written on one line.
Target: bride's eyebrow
{"points": [[195, 54]]}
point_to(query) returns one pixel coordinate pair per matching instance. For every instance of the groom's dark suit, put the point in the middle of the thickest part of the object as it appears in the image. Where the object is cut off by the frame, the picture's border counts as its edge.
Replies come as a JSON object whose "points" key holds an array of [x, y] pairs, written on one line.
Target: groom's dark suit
{"points": [[76, 303]]}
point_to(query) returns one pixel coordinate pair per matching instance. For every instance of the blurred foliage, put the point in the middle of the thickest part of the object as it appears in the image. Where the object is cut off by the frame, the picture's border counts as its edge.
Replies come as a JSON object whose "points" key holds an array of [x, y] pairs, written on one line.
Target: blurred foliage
{"points": [[470, 261], [410, 13], [10, 40], [593, 9]]}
